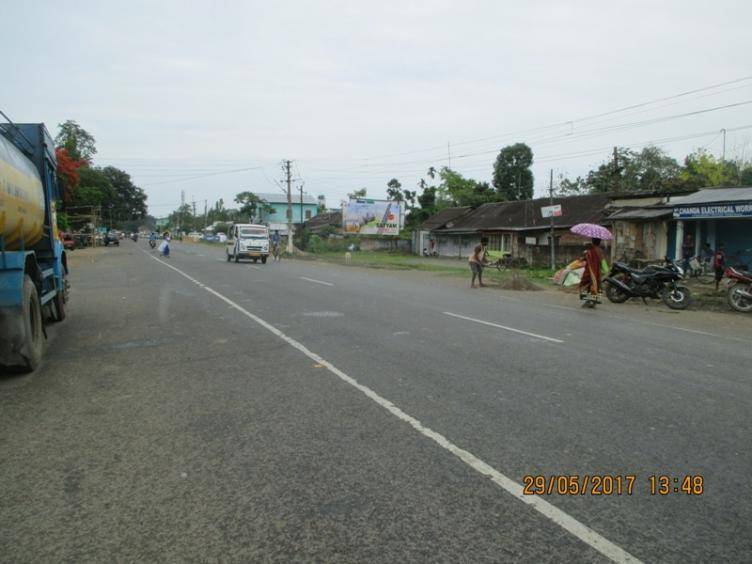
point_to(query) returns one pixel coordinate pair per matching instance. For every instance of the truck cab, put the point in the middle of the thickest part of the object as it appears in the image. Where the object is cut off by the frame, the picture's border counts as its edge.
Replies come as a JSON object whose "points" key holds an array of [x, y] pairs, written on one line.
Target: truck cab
{"points": [[248, 241]]}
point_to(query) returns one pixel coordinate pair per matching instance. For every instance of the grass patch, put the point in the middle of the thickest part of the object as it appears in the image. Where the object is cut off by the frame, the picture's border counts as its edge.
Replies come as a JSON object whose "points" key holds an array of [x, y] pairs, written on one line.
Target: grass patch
{"points": [[444, 266]]}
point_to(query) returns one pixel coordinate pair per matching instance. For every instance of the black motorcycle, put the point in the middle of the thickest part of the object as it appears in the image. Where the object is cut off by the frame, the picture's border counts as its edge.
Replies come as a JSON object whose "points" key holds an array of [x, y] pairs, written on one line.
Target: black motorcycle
{"points": [[659, 282]]}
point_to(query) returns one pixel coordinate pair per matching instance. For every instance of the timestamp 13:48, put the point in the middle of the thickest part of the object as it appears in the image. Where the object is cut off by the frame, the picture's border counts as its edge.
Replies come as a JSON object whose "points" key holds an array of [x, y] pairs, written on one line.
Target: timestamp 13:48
{"points": [[665, 485], [612, 484]]}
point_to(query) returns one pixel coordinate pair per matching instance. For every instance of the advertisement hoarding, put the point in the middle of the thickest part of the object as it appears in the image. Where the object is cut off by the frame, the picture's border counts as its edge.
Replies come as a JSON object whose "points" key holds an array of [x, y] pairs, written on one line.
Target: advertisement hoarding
{"points": [[371, 217], [551, 211]]}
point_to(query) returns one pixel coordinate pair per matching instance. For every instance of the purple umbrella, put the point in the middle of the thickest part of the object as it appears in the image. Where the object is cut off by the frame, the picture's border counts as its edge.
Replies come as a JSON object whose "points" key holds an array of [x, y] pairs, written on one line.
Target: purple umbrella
{"points": [[592, 230]]}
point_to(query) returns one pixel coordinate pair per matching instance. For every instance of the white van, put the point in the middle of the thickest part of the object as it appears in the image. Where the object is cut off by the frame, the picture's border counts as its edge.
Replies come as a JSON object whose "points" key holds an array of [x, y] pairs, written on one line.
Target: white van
{"points": [[246, 240]]}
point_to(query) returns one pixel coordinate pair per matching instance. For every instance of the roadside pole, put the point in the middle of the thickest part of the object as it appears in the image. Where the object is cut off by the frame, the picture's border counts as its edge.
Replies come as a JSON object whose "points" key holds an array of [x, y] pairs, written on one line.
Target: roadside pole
{"points": [[289, 206], [551, 239]]}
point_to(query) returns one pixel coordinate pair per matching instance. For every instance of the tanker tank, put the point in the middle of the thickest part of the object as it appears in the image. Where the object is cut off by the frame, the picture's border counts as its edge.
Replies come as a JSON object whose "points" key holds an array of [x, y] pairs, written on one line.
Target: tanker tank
{"points": [[21, 199]]}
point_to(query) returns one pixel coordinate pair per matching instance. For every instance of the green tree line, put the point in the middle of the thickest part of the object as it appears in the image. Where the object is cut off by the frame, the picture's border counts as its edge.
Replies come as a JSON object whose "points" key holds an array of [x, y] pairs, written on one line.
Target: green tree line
{"points": [[122, 203]]}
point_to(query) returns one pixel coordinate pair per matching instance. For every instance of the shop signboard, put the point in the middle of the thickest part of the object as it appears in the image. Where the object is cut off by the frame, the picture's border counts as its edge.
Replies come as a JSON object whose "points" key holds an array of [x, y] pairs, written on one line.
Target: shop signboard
{"points": [[742, 209]]}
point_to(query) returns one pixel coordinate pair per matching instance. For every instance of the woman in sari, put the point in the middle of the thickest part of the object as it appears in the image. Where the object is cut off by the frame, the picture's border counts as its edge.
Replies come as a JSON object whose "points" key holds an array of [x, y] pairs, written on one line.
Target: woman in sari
{"points": [[590, 284]]}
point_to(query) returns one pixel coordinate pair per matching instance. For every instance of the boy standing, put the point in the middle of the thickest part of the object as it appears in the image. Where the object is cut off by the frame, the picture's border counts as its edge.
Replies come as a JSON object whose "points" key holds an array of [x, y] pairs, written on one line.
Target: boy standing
{"points": [[719, 264]]}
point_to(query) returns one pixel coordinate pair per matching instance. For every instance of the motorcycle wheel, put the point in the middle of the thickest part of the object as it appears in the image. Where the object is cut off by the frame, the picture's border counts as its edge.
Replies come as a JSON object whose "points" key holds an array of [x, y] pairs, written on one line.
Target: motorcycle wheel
{"points": [[737, 301], [615, 294], [676, 298]]}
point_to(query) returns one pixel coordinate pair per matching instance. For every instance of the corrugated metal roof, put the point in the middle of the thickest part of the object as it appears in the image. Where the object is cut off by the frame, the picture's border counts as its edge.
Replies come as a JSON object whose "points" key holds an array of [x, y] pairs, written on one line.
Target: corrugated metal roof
{"points": [[526, 214], [714, 195], [640, 213], [282, 198], [443, 217]]}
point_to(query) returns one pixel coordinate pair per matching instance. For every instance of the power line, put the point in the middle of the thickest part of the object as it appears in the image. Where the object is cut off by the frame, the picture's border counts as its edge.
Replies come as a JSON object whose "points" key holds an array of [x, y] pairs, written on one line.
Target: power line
{"points": [[594, 132], [568, 122], [205, 175]]}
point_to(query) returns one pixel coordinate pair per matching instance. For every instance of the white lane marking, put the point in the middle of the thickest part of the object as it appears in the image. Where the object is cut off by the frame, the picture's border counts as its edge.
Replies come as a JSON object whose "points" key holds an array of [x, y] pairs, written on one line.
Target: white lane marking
{"points": [[512, 329], [255, 267], [564, 520], [316, 281]]}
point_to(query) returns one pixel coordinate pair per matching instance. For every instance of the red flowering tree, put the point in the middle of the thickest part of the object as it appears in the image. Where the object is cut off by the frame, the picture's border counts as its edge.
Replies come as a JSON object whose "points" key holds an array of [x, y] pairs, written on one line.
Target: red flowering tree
{"points": [[67, 173]]}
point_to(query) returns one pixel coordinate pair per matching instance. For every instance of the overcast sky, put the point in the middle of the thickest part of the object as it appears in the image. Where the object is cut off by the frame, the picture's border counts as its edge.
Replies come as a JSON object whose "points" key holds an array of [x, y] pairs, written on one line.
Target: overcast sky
{"points": [[359, 92]]}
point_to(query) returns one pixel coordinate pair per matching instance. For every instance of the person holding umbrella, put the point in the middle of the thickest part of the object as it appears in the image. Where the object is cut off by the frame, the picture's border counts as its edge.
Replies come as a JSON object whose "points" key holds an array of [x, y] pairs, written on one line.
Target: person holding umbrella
{"points": [[595, 262]]}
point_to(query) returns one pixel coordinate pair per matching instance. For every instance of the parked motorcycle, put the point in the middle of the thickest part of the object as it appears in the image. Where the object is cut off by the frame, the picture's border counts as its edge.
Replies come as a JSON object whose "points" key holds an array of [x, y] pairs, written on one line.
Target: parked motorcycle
{"points": [[739, 295], [655, 281]]}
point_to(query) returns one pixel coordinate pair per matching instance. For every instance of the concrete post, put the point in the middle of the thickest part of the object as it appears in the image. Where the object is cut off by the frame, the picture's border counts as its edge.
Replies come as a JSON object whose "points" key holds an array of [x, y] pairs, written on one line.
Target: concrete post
{"points": [[711, 234], [698, 225], [679, 240]]}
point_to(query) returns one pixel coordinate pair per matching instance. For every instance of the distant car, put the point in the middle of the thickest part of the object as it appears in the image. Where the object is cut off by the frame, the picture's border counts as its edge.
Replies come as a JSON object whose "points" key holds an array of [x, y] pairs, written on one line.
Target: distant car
{"points": [[111, 238], [69, 243], [211, 238]]}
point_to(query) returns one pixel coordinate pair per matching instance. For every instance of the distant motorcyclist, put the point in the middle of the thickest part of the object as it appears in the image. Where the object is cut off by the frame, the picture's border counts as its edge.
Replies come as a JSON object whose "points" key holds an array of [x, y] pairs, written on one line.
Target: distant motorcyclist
{"points": [[152, 239], [276, 240]]}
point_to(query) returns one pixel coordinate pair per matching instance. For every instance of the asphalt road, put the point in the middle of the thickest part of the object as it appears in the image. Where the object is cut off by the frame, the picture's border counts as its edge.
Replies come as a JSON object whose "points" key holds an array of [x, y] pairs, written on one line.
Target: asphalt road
{"points": [[194, 409]]}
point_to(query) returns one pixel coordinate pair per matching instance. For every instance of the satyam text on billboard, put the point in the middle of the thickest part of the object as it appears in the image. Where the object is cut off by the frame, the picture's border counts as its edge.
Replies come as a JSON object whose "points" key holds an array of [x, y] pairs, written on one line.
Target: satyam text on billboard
{"points": [[371, 217]]}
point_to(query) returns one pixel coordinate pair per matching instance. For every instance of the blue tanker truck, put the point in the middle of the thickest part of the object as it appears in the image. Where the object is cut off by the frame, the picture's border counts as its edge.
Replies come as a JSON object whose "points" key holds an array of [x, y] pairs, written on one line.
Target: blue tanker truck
{"points": [[33, 264]]}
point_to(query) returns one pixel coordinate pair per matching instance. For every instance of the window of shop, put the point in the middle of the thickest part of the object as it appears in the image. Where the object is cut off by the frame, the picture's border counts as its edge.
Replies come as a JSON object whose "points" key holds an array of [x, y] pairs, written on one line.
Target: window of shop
{"points": [[500, 242]]}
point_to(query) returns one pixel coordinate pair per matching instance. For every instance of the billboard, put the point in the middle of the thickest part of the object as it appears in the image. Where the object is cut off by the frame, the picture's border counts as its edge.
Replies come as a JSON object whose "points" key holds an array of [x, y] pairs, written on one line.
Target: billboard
{"points": [[371, 217], [551, 211]]}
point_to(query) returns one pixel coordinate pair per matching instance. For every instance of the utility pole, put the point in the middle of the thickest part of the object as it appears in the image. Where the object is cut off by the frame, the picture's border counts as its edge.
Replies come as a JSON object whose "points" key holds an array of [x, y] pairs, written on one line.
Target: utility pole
{"points": [[723, 154], [288, 172], [551, 239], [449, 156], [617, 176], [180, 211], [301, 205], [206, 213]]}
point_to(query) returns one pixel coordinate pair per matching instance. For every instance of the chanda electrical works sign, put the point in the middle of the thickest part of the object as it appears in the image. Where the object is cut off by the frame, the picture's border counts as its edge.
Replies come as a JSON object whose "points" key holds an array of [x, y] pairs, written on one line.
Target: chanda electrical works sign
{"points": [[743, 209]]}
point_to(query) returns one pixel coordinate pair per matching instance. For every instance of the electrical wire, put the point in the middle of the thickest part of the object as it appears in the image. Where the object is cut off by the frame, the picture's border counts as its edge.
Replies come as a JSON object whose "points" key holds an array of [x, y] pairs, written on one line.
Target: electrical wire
{"points": [[204, 176]]}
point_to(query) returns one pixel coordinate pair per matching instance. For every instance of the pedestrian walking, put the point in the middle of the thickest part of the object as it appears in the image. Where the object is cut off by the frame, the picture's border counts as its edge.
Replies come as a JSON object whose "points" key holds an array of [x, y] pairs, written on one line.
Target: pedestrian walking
{"points": [[719, 264], [476, 266], [164, 248], [590, 283]]}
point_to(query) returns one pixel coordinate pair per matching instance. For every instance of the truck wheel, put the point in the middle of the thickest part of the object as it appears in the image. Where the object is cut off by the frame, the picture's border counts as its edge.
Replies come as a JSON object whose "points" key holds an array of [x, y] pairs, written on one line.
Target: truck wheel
{"points": [[263, 260], [58, 306], [32, 322]]}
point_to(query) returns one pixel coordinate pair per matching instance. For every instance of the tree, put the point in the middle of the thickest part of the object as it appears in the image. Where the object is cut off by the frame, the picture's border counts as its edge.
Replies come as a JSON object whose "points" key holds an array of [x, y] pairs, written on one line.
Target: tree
{"points": [[67, 174], [355, 194], [512, 176], [456, 190], [113, 190], [394, 190], [648, 170], [129, 200], [745, 177], [431, 172], [702, 169], [250, 203], [567, 187], [408, 196], [79, 143]]}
